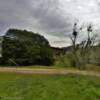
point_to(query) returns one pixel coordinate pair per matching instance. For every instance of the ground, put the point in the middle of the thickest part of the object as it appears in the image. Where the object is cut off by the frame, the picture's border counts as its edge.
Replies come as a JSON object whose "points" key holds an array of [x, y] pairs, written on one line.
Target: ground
{"points": [[48, 84], [50, 70], [48, 87]]}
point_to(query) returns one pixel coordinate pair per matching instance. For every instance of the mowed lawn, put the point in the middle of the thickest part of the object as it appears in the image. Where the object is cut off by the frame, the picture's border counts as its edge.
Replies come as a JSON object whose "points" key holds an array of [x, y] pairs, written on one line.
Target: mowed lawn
{"points": [[48, 87]]}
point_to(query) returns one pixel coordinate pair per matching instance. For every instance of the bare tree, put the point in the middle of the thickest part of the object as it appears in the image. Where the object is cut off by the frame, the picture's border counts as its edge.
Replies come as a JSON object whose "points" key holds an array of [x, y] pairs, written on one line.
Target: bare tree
{"points": [[84, 47], [74, 35], [74, 38]]}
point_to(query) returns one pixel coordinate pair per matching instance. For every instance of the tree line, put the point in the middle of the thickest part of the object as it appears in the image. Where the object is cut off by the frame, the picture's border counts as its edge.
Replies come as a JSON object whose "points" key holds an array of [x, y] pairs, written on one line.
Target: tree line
{"points": [[23, 48]]}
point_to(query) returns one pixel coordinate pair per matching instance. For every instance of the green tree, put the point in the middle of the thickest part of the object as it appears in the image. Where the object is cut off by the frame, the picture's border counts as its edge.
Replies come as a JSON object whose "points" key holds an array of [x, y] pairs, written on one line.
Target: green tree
{"points": [[26, 48]]}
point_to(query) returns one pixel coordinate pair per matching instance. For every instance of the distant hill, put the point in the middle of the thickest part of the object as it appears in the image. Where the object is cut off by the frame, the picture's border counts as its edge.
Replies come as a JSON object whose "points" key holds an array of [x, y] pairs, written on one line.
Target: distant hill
{"points": [[61, 50]]}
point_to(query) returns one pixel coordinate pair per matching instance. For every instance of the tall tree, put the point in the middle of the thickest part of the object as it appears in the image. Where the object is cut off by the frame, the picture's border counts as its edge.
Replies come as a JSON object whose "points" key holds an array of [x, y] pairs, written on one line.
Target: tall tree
{"points": [[26, 48]]}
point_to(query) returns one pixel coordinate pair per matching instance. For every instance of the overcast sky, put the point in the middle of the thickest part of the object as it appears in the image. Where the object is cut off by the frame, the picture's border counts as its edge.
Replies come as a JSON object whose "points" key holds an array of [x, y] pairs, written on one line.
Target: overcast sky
{"points": [[52, 18]]}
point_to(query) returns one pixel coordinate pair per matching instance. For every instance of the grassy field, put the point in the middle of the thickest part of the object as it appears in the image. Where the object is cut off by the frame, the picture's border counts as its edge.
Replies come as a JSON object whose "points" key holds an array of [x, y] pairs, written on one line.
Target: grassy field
{"points": [[48, 87]]}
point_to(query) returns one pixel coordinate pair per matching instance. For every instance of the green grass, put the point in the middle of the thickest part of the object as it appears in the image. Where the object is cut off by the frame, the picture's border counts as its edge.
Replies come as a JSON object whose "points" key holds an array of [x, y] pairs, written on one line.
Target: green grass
{"points": [[48, 87]]}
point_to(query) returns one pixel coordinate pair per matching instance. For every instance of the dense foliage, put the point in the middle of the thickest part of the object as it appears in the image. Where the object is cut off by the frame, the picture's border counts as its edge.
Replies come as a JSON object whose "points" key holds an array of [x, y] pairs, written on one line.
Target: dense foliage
{"points": [[26, 48]]}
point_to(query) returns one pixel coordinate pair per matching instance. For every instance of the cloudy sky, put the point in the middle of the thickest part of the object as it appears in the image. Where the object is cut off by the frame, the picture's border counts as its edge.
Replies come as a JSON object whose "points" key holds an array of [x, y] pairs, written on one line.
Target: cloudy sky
{"points": [[52, 18]]}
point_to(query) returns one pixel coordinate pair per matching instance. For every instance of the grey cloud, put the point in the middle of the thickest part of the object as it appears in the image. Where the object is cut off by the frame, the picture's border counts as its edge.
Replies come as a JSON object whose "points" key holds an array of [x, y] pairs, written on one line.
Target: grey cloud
{"points": [[52, 18], [49, 16], [46, 14], [11, 11]]}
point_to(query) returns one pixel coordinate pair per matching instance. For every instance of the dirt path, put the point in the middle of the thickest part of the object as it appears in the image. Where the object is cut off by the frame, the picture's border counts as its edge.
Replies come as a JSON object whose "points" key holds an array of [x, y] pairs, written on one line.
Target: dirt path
{"points": [[48, 71]]}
